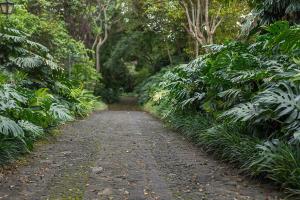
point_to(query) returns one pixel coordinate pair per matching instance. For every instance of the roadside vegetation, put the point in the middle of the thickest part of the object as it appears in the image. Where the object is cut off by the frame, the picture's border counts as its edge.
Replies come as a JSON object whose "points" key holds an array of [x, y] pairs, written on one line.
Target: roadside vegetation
{"points": [[224, 72], [37, 91], [239, 101]]}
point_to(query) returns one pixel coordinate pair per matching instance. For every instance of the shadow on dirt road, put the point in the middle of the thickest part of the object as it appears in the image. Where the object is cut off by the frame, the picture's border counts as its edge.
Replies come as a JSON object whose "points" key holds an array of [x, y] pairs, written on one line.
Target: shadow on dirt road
{"points": [[126, 103]]}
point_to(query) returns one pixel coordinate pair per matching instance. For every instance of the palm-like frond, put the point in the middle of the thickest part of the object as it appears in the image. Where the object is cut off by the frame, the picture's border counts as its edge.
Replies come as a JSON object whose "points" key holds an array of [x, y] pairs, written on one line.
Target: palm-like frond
{"points": [[285, 98], [53, 65], [31, 128], [8, 105], [9, 127], [28, 62], [274, 10], [10, 99], [60, 113], [249, 75], [284, 158], [13, 38], [242, 112], [280, 102], [284, 38], [24, 53], [197, 97], [231, 96], [41, 97]]}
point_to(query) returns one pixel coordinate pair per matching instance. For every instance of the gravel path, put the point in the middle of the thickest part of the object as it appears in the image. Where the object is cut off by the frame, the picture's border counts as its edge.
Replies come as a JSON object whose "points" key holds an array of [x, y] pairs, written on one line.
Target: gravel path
{"points": [[125, 155]]}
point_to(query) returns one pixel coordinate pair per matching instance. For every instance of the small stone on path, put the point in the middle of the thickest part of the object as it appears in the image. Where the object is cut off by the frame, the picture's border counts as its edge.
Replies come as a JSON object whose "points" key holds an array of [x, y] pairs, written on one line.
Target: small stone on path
{"points": [[106, 192], [97, 170]]}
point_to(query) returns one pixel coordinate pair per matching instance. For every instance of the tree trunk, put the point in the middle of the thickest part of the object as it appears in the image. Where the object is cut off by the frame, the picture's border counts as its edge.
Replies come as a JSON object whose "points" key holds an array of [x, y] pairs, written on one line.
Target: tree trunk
{"points": [[210, 38], [196, 48], [201, 26], [169, 54], [93, 48], [98, 63]]}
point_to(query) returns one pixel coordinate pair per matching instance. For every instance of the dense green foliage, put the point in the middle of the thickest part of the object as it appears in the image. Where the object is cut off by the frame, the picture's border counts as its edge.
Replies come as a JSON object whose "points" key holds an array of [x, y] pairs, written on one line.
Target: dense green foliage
{"points": [[147, 35], [36, 93], [274, 10], [240, 101], [266, 12]]}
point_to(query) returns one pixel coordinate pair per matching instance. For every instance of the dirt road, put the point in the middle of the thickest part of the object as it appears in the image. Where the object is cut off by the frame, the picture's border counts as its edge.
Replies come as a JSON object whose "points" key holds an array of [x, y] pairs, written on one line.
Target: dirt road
{"points": [[125, 155]]}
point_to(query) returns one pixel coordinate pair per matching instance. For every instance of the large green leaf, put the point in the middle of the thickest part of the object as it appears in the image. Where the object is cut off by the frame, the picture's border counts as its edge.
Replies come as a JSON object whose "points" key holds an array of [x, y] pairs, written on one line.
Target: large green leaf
{"points": [[31, 128], [60, 113], [285, 97], [242, 112], [9, 127]]}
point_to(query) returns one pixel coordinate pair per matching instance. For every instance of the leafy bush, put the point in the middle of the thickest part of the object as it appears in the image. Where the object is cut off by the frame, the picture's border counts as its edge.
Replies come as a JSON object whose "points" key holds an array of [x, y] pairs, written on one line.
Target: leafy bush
{"points": [[237, 100], [110, 95], [35, 94], [280, 161]]}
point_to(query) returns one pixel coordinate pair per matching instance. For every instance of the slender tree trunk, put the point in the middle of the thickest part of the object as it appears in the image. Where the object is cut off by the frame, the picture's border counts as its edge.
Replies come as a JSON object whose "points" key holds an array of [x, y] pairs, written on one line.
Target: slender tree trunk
{"points": [[98, 63], [201, 26], [169, 54], [93, 48], [210, 39], [101, 37], [196, 48]]}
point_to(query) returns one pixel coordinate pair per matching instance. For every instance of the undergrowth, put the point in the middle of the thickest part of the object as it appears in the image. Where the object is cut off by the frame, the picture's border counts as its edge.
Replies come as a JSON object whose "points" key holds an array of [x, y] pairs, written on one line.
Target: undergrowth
{"points": [[240, 102], [36, 94]]}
